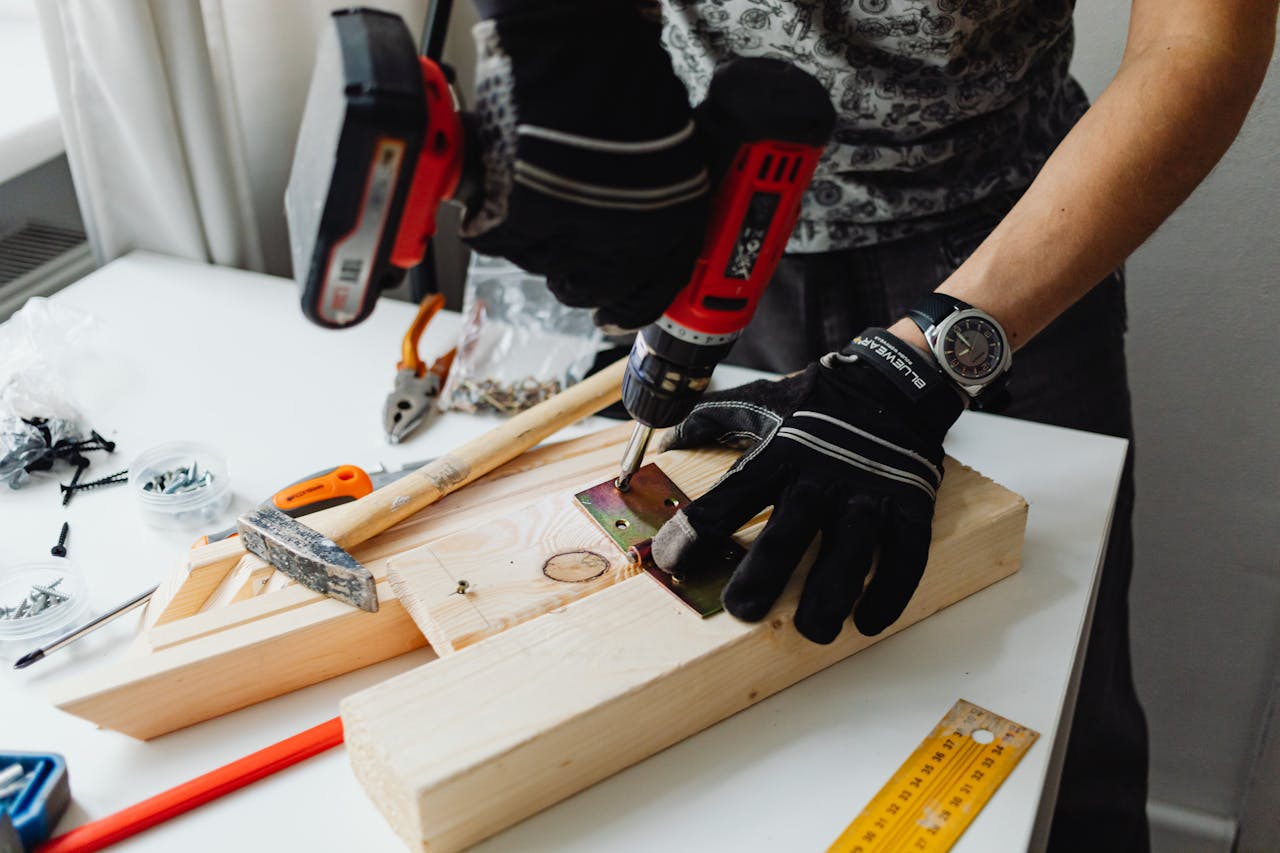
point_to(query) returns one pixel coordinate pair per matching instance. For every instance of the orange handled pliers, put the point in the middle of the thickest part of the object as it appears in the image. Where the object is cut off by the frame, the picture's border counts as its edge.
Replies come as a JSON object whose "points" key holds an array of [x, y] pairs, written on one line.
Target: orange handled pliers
{"points": [[417, 386]]}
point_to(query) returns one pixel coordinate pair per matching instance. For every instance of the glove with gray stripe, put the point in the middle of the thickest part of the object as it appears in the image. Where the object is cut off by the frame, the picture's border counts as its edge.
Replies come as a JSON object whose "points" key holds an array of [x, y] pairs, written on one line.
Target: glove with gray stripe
{"points": [[850, 448], [593, 172]]}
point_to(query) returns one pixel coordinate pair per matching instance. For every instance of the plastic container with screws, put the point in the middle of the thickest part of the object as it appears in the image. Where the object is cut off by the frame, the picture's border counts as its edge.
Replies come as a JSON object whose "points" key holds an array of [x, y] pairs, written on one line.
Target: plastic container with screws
{"points": [[181, 486], [39, 601]]}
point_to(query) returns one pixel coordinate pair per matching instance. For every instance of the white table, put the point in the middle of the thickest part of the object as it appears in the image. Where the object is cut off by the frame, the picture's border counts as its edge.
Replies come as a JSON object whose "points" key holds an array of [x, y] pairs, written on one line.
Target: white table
{"points": [[197, 352]]}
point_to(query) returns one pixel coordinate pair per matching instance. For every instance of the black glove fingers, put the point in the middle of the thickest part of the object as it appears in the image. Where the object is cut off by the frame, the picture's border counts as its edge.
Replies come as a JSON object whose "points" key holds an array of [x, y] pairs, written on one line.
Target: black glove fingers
{"points": [[698, 533], [772, 558], [904, 551], [837, 576]]}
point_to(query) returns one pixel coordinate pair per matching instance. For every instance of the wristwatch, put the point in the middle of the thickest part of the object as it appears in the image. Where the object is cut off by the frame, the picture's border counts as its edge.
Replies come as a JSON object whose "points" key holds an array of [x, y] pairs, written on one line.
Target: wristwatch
{"points": [[971, 348]]}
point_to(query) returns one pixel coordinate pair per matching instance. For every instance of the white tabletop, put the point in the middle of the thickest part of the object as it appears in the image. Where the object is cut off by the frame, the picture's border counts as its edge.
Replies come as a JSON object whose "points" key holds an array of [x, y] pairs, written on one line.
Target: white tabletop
{"points": [[29, 130], [187, 351]]}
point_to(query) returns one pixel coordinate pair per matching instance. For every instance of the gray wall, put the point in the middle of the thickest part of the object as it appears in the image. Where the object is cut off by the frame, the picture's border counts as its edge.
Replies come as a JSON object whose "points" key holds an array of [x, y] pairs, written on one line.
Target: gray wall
{"points": [[1204, 307]]}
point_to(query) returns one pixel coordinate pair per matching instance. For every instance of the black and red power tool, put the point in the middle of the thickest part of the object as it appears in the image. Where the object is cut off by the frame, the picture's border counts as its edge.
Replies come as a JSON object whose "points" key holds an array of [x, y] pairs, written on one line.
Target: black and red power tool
{"points": [[765, 123], [383, 144]]}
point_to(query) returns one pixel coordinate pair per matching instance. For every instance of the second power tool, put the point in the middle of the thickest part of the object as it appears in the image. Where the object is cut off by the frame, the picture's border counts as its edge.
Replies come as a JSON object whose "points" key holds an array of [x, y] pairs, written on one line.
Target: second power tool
{"points": [[765, 123]]}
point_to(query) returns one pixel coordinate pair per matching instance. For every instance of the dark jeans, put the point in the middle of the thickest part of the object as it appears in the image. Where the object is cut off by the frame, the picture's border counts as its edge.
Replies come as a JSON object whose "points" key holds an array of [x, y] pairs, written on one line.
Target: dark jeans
{"points": [[1073, 375]]}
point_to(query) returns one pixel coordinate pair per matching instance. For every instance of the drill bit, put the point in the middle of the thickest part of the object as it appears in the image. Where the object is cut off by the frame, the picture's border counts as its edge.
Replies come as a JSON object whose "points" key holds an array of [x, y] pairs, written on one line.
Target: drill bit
{"points": [[633, 455]]}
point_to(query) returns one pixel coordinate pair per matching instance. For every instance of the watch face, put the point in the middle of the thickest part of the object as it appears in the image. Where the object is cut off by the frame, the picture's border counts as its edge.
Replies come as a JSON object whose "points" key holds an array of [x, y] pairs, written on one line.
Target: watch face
{"points": [[973, 348]]}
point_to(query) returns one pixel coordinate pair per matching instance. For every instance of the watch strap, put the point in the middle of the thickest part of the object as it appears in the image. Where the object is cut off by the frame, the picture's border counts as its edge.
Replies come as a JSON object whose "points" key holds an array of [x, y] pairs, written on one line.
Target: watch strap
{"points": [[933, 308]]}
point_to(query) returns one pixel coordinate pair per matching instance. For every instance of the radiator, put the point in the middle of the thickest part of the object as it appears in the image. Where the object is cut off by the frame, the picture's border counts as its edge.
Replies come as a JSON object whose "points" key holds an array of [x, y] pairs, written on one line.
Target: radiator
{"points": [[36, 259]]}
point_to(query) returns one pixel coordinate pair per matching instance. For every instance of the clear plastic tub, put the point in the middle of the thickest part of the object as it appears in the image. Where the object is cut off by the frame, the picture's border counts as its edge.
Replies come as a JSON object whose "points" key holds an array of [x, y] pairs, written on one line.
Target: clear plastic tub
{"points": [[201, 507], [52, 617]]}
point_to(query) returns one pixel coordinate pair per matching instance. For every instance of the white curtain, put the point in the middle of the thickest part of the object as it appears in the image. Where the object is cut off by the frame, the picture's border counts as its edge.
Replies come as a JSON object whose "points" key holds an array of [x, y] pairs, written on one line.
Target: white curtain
{"points": [[180, 118]]}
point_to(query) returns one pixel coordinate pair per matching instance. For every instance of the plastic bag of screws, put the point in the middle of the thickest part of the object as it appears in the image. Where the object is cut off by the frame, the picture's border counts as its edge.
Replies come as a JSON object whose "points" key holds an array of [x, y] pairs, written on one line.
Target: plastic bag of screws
{"points": [[518, 345], [41, 346]]}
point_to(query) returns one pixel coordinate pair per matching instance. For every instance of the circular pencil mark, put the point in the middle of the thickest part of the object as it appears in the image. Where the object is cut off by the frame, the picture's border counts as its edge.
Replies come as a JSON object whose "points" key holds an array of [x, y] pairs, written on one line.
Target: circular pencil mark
{"points": [[575, 566]]}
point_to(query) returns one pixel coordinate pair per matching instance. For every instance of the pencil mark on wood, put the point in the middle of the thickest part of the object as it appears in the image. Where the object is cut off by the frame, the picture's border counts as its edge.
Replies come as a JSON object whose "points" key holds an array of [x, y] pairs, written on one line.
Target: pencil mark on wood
{"points": [[575, 566]]}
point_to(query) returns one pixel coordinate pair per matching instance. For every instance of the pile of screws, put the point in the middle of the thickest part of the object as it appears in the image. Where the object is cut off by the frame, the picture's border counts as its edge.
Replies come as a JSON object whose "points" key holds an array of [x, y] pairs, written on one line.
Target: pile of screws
{"points": [[179, 481], [14, 779], [490, 395], [41, 598], [35, 444]]}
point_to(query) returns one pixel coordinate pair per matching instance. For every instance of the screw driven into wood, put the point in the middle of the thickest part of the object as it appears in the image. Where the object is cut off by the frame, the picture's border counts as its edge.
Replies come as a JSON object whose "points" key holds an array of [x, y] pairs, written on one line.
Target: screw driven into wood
{"points": [[463, 588], [60, 550]]}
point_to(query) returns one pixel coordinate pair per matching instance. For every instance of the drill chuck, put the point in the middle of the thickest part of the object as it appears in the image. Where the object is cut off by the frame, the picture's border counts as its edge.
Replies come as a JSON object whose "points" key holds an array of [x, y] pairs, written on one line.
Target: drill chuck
{"points": [[667, 371]]}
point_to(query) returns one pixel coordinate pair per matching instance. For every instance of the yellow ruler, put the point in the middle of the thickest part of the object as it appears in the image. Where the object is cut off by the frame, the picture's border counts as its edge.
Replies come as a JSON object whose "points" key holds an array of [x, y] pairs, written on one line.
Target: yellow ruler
{"points": [[940, 789]]}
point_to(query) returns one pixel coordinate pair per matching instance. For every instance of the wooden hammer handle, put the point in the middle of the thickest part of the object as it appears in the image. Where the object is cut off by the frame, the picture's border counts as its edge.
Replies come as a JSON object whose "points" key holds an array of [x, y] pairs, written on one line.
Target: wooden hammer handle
{"points": [[353, 523]]}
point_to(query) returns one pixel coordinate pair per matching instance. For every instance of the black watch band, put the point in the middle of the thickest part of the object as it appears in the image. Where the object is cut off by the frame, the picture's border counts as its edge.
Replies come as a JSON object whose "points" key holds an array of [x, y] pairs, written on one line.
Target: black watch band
{"points": [[933, 308]]}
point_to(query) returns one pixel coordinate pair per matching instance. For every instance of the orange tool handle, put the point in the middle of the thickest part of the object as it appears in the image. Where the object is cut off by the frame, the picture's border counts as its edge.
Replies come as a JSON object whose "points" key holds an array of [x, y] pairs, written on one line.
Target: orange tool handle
{"points": [[409, 358], [440, 367], [108, 830], [345, 481]]}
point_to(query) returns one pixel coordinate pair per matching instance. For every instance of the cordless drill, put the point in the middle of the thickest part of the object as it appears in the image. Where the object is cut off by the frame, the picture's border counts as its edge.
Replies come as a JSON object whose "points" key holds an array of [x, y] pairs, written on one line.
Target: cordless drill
{"points": [[765, 123]]}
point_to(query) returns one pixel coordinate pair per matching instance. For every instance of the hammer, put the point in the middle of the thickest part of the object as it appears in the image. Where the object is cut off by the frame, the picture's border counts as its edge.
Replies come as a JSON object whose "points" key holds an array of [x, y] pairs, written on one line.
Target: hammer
{"points": [[315, 555]]}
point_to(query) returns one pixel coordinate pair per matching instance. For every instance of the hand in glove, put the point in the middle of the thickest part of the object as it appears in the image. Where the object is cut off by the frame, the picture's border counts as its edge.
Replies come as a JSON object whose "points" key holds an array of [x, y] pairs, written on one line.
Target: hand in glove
{"points": [[593, 175], [851, 448]]}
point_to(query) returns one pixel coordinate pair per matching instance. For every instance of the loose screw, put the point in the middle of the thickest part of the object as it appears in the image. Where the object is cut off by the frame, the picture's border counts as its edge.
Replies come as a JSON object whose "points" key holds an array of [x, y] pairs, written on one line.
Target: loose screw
{"points": [[60, 550], [81, 463], [463, 588], [113, 480], [109, 446]]}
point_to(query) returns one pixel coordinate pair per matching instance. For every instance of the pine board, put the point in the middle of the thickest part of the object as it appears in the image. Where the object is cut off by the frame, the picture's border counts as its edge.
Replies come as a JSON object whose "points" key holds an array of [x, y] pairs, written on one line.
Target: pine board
{"points": [[467, 745]]}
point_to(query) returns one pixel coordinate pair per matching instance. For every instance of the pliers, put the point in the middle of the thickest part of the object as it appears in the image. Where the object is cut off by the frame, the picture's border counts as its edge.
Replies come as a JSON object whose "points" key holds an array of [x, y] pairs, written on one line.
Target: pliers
{"points": [[416, 386]]}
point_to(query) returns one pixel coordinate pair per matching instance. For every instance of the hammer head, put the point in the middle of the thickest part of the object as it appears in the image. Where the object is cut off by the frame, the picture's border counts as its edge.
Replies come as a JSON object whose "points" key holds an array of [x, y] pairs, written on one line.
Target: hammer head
{"points": [[308, 557]]}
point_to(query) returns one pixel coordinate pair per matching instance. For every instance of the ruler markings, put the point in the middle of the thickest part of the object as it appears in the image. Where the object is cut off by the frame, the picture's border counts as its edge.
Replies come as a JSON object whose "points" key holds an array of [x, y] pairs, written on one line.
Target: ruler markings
{"points": [[937, 792]]}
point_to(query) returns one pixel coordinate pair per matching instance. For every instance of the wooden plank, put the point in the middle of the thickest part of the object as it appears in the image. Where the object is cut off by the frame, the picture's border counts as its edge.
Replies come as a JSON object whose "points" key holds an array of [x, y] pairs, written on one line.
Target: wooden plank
{"points": [[459, 749], [527, 560], [208, 676], [262, 646], [201, 581], [185, 590]]}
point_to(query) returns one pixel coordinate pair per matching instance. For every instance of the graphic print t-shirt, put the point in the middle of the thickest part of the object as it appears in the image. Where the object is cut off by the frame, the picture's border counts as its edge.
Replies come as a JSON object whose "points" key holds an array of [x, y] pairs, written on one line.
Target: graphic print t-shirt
{"points": [[941, 103]]}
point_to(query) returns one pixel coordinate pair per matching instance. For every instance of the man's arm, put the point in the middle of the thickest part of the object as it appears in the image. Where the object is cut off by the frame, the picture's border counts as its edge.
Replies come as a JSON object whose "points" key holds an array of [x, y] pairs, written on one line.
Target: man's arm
{"points": [[1189, 74]]}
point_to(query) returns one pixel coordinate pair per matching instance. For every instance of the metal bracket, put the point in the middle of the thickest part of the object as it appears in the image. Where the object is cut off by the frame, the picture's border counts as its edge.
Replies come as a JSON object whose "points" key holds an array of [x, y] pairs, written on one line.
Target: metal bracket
{"points": [[631, 518]]}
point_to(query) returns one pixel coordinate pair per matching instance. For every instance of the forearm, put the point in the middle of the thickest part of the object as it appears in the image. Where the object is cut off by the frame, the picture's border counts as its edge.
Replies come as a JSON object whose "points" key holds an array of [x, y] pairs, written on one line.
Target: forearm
{"points": [[1164, 121]]}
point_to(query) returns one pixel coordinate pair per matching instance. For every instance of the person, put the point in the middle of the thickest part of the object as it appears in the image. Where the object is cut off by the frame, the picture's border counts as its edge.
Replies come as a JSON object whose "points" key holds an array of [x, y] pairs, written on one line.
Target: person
{"points": [[971, 204]]}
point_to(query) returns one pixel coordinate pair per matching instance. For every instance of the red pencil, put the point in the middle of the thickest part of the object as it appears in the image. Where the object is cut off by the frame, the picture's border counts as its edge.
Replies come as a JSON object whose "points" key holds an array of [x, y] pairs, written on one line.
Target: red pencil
{"points": [[116, 827]]}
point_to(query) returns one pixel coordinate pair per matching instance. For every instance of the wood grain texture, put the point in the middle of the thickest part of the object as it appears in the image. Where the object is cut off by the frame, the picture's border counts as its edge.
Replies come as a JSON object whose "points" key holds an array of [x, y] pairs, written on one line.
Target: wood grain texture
{"points": [[221, 658], [185, 590], [505, 561], [213, 674], [216, 575], [467, 745]]}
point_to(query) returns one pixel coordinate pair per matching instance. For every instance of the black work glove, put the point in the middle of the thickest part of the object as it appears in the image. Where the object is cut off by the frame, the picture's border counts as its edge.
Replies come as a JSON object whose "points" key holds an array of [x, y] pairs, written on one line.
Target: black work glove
{"points": [[593, 176], [851, 448]]}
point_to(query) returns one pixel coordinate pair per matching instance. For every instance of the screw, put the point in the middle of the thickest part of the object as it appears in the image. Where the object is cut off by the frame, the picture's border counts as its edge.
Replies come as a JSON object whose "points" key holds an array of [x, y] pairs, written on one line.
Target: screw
{"points": [[463, 588], [114, 479], [81, 463], [60, 550], [50, 592], [109, 446]]}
